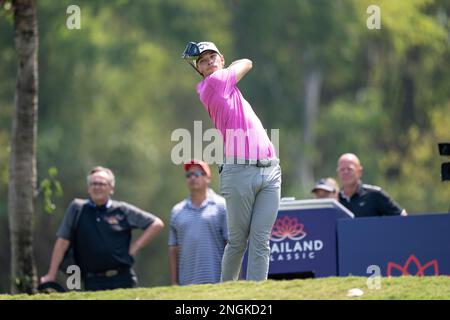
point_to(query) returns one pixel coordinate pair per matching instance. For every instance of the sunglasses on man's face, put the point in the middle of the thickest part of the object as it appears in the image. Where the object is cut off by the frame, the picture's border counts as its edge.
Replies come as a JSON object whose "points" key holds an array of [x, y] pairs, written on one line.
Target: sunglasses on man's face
{"points": [[195, 174]]}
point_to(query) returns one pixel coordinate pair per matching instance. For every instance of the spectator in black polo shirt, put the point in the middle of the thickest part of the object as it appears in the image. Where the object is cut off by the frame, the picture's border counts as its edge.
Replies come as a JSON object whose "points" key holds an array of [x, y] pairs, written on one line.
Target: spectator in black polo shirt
{"points": [[362, 199], [99, 231]]}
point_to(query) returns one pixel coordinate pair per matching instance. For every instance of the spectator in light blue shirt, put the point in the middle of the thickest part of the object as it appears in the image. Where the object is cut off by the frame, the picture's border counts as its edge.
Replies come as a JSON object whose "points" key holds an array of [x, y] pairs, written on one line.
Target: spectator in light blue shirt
{"points": [[198, 230]]}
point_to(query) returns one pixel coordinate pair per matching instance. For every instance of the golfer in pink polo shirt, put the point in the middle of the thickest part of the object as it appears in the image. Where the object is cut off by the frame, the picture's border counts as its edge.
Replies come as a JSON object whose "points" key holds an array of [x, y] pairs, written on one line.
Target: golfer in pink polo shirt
{"points": [[250, 177]]}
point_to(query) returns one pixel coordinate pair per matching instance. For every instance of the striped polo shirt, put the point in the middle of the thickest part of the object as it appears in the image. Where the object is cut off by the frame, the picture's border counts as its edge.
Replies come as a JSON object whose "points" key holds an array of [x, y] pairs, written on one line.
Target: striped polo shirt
{"points": [[200, 234]]}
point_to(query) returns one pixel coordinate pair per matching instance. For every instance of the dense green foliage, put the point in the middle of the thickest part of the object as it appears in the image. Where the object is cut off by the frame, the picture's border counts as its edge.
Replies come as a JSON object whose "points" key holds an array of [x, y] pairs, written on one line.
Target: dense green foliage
{"points": [[112, 93]]}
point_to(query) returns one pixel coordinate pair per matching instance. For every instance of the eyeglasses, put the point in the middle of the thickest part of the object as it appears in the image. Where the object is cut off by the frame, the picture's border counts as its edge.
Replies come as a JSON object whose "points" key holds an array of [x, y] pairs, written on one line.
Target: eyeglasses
{"points": [[98, 184], [194, 173]]}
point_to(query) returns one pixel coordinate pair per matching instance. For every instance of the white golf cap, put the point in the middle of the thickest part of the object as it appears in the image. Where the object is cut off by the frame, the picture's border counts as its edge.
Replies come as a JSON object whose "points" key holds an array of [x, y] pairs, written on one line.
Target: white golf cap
{"points": [[205, 46], [194, 50], [325, 184]]}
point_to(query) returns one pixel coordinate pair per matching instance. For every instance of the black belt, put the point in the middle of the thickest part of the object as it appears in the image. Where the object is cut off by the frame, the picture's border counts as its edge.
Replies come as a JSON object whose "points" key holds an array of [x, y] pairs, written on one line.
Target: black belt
{"points": [[262, 163], [107, 273]]}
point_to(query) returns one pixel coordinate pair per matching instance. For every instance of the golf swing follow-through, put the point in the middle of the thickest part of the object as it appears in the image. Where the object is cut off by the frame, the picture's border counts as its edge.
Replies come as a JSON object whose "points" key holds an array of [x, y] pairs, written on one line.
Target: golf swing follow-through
{"points": [[250, 175]]}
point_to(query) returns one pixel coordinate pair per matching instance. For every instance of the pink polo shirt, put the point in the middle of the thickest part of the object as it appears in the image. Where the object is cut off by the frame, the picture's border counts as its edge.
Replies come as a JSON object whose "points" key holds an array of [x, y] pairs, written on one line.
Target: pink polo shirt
{"points": [[243, 134]]}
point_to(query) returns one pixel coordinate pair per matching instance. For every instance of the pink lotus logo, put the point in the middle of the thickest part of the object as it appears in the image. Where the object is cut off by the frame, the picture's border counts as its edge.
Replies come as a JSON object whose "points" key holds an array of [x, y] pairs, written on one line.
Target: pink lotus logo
{"points": [[409, 269], [287, 227]]}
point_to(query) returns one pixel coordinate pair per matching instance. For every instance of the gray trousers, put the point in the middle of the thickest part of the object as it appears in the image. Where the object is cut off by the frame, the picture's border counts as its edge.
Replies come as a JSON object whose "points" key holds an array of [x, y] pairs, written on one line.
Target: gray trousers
{"points": [[252, 197]]}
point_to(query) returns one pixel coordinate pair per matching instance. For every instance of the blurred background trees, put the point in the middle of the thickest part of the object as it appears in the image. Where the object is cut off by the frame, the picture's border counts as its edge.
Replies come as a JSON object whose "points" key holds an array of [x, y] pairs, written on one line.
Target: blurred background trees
{"points": [[112, 93]]}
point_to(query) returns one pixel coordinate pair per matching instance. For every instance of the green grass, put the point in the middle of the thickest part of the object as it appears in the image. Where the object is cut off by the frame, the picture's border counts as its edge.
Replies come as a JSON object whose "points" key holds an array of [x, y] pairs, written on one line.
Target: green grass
{"points": [[334, 288]]}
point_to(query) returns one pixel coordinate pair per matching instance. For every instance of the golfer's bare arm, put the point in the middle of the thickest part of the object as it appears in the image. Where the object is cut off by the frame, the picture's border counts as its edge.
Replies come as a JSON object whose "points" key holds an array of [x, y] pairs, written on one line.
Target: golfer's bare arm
{"points": [[241, 68]]}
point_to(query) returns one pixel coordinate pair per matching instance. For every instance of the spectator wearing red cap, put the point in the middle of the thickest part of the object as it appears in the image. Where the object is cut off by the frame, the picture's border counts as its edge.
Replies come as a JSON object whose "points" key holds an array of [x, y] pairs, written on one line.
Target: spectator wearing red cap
{"points": [[198, 230]]}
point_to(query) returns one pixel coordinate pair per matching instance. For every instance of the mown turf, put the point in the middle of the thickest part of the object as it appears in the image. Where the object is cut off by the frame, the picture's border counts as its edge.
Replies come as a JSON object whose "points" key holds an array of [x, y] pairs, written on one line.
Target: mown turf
{"points": [[334, 288]]}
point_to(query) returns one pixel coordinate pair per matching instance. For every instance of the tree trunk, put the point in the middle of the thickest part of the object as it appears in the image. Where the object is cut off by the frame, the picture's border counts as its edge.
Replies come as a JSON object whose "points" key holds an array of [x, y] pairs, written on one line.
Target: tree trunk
{"points": [[312, 90], [22, 168]]}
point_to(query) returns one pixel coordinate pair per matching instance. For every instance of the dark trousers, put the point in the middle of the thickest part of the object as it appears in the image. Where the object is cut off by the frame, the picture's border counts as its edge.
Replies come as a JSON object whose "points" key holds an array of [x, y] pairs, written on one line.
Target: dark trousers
{"points": [[123, 280]]}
